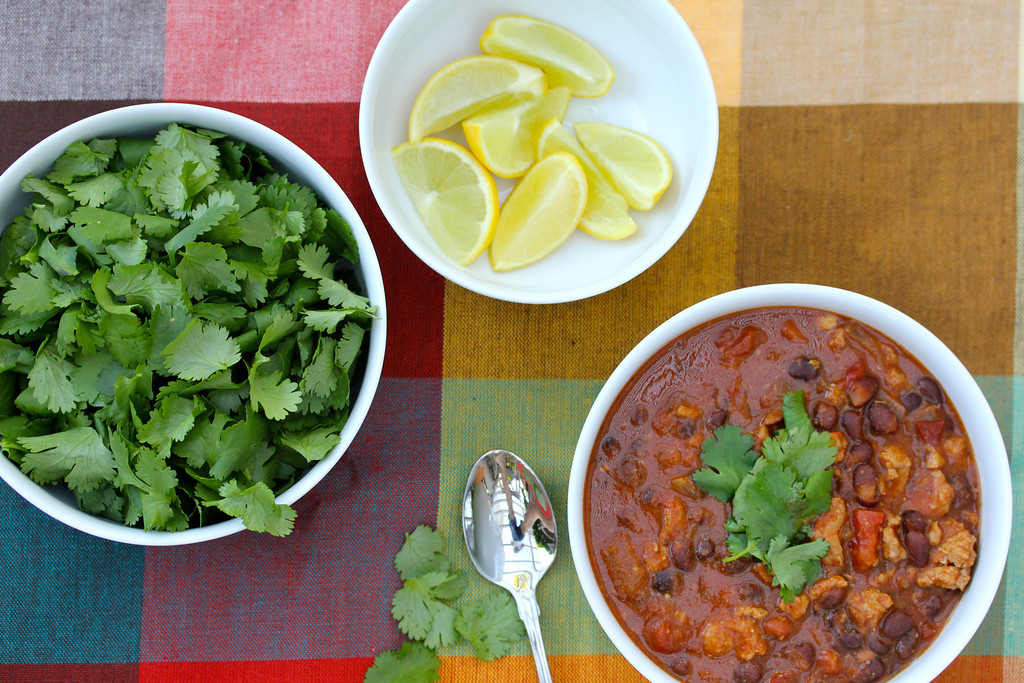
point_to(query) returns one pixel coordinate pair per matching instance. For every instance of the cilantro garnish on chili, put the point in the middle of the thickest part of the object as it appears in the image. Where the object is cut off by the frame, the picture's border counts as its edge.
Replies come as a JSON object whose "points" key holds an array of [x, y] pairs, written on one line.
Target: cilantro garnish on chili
{"points": [[775, 495]]}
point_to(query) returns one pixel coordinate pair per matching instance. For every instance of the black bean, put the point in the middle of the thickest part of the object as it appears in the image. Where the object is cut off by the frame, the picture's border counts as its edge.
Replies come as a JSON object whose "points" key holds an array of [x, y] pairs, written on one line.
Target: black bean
{"points": [[750, 593], [805, 368], [681, 666], [717, 418], [704, 548], [853, 425], [931, 390], [865, 484], [610, 446], [631, 472], [850, 640], [639, 416], [862, 451], [917, 547], [878, 644], [682, 555], [906, 645], [861, 390], [882, 419], [911, 401], [687, 427], [831, 598], [964, 490], [825, 416], [736, 566], [748, 672], [896, 623], [806, 652], [932, 606], [667, 581], [868, 672], [912, 519]]}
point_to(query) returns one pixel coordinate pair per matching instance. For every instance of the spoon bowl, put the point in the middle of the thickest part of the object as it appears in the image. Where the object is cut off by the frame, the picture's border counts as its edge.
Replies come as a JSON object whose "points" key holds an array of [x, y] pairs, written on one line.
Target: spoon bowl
{"points": [[509, 527]]}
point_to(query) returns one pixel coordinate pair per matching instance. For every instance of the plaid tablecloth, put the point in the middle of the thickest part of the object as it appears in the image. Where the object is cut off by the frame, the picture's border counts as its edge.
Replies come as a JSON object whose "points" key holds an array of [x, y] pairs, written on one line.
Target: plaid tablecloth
{"points": [[868, 144]]}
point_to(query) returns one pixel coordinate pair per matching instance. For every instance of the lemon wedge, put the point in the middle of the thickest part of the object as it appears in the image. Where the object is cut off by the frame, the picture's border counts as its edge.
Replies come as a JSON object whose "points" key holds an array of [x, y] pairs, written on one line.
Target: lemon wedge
{"points": [[607, 214], [637, 166], [540, 213], [505, 139], [455, 196], [467, 86], [565, 58]]}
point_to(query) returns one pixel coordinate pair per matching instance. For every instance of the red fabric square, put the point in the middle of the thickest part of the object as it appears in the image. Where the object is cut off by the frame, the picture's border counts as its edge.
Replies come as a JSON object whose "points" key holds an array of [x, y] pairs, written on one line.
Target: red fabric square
{"points": [[288, 51]]}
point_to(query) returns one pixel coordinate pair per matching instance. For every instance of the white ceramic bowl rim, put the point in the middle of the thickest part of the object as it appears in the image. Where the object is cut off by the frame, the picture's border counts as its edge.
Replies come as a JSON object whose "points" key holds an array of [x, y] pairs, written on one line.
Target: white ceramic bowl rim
{"points": [[407, 26], [141, 119], [960, 386]]}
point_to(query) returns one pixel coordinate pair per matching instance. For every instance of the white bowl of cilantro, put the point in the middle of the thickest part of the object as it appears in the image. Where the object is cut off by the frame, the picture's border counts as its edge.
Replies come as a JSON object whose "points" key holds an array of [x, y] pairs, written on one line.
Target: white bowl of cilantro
{"points": [[649, 525], [192, 325]]}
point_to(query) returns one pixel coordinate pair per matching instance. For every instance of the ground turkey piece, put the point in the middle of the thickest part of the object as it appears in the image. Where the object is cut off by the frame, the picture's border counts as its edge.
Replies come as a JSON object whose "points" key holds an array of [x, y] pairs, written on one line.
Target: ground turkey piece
{"points": [[892, 548], [951, 560], [828, 526], [867, 607], [723, 634], [626, 572], [897, 469], [931, 493]]}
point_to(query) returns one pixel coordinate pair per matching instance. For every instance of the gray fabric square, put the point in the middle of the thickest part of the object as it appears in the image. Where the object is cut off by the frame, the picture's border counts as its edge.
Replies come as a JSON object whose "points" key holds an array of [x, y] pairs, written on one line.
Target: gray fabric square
{"points": [[94, 50]]}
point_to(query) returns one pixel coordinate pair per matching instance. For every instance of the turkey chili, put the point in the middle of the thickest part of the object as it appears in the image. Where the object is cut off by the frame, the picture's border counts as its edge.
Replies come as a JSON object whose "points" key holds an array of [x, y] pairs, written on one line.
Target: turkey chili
{"points": [[782, 494]]}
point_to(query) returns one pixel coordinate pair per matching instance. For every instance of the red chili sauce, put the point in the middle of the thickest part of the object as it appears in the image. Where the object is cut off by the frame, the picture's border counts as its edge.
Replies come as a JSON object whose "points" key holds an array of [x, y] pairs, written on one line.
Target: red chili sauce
{"points": [[902, 527]]}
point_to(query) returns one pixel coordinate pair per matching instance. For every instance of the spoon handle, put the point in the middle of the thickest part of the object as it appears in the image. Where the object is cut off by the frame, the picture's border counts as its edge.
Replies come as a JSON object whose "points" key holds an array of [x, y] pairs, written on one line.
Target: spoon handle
{"points": [[529, 612]]}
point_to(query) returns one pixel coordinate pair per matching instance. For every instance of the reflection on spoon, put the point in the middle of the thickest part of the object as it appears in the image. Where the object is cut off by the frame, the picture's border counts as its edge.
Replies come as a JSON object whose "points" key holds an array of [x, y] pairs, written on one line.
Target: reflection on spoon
{"points": [[509, 527]]}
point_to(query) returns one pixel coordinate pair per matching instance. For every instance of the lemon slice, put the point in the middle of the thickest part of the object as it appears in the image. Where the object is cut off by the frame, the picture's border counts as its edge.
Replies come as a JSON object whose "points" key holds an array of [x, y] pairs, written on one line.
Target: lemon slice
{"points": [[565, 58], [540, 213], [505, 139], [637, 166], [455, 196], [607, 214], [467, 86]]}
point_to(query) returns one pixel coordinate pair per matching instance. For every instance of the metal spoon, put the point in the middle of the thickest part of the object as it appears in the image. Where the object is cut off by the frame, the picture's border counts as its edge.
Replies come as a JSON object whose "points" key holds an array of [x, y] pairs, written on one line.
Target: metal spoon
{"points": [[509, 527]]}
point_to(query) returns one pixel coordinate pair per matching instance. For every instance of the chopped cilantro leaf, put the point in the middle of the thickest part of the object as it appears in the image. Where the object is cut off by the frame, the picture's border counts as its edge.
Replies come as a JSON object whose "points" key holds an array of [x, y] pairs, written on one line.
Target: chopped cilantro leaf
{"points": [[201, 350], [256, 506]]}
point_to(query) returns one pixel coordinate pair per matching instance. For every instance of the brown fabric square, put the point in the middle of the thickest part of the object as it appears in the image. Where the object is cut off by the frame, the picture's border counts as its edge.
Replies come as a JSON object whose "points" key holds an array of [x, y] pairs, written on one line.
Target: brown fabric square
{"points": [[910, 204]]}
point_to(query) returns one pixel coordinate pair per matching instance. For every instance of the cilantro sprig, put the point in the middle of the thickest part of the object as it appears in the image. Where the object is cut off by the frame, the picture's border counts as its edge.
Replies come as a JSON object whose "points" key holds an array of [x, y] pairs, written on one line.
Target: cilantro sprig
{"points": [[775, 496], [425, 609], [179, 330]]}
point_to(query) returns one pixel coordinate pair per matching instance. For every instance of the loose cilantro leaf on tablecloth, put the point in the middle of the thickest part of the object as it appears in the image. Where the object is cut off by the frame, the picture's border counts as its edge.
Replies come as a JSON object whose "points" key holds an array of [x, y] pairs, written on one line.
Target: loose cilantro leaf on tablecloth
{"points": [[421, 610], [165, 304], [492, 624], [412, 663], [774, 496], [426, 611], [422, 553]]}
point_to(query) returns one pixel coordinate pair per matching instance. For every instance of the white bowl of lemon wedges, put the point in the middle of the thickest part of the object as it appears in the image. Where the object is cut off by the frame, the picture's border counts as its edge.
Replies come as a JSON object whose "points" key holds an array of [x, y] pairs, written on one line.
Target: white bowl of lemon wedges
{"points": [[536, 151]]}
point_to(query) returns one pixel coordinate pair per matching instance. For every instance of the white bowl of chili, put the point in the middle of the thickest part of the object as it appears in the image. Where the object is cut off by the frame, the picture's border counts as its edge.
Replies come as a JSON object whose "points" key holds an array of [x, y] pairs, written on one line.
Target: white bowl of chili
{"points": [[882, 605], [33, 438]]}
